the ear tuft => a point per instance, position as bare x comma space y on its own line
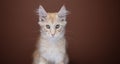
41, 12
62, 12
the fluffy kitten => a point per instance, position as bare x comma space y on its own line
51, 47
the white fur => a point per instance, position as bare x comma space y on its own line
52, 53
63, 11
41, 11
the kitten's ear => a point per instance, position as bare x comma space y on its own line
62, 12
41, 12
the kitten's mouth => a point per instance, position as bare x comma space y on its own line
53, 35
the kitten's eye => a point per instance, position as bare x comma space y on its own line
42, 20
57, 26
62, 19
48, 26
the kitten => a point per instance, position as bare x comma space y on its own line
51, 47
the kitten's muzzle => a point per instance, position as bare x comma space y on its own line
53, 35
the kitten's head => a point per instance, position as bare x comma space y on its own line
52, 24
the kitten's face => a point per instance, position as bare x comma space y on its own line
52, 24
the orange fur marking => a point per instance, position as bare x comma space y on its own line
52, 17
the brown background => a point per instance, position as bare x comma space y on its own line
92, 30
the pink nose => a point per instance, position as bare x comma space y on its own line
52, 34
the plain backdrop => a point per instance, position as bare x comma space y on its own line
92, 31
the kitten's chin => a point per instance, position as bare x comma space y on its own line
54, 37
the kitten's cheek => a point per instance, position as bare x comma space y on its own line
59, 30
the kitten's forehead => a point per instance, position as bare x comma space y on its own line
52, 17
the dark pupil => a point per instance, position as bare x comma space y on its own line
42, 19
62, 19
48, 26
57, 26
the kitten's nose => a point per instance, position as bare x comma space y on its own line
52, 34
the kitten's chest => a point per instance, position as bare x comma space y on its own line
52, 52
